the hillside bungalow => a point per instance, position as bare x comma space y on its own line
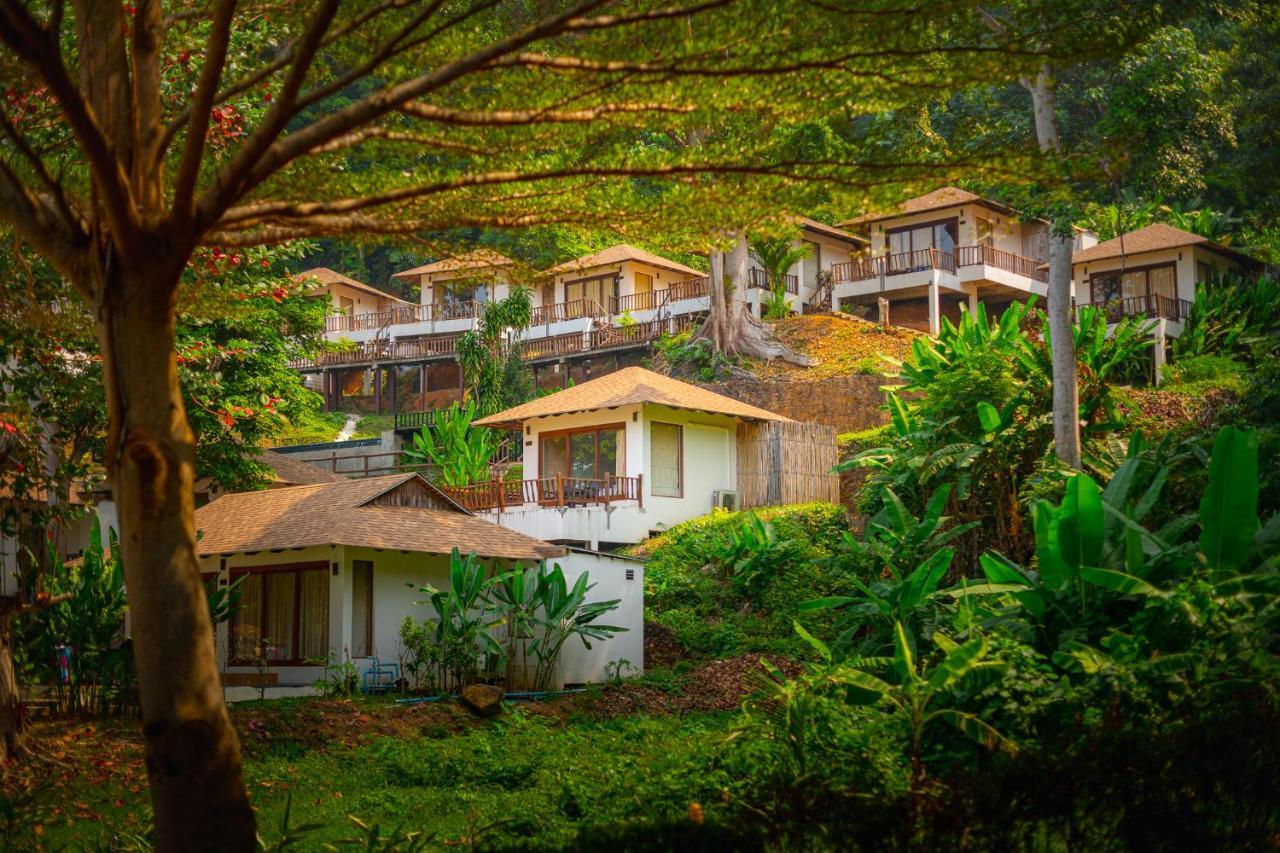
332, 569
616, 459
455, 288
621, 279
356, 305
827, 245
946, 249
1152, 273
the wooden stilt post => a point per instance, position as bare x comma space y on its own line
377, 389
394, 372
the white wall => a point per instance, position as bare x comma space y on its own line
608, 577
710, 464
397, 581
1184, 261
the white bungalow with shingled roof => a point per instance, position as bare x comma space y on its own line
333, 568
616, 459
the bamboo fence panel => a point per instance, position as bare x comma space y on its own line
785, 462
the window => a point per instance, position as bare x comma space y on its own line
985, 231
600, 291
1134, 284
937, 235
1204, 272
361, 608
589, 454
666, 460
644, 282
284, 611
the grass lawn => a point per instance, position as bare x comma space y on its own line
600, 769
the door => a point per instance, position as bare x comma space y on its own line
810, 266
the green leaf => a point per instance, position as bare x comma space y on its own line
975, 728
957, 663
828, 603
903, 659
1118, 581
820, 647
1054, 572
989, 417
1229, 508
1081, 522
863, 688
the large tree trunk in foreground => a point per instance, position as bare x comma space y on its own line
192, 752
1066, 404
730, 326
12, 724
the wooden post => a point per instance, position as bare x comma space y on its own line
333, 462
608, 483
640, 491
497, 484
394, 373
559, 489
377, 389
365, 457
882, 307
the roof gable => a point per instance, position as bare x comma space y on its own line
938, 199
621, 253
324, 276
479, 259
625, 387
1154, 238
400, 511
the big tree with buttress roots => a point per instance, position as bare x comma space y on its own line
132, 134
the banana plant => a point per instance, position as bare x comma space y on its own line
565, 614
1092, 550
890, 600
459, 453
921, 693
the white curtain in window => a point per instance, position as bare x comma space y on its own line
278, 626
313, 615
362, 609
664, 459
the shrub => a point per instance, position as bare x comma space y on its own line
1197, 373
730, 582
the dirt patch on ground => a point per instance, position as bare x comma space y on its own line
840, 344
102, 750
1159, 411
719, 685
661, 649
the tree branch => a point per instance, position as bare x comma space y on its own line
36, 48
497, 118
63, 243
201, 107
234, 181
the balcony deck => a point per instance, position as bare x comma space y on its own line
1153, 306
557, 491
445, 347
864, 269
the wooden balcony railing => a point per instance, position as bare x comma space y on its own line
1153, 305
415, 420
384, 350
759, 279
645, 301
969, 256
690, 288
558, 491
374, 320
574, 310
861, 269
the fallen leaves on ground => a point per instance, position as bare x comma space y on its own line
840, 344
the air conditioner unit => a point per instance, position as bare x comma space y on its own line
724, 499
